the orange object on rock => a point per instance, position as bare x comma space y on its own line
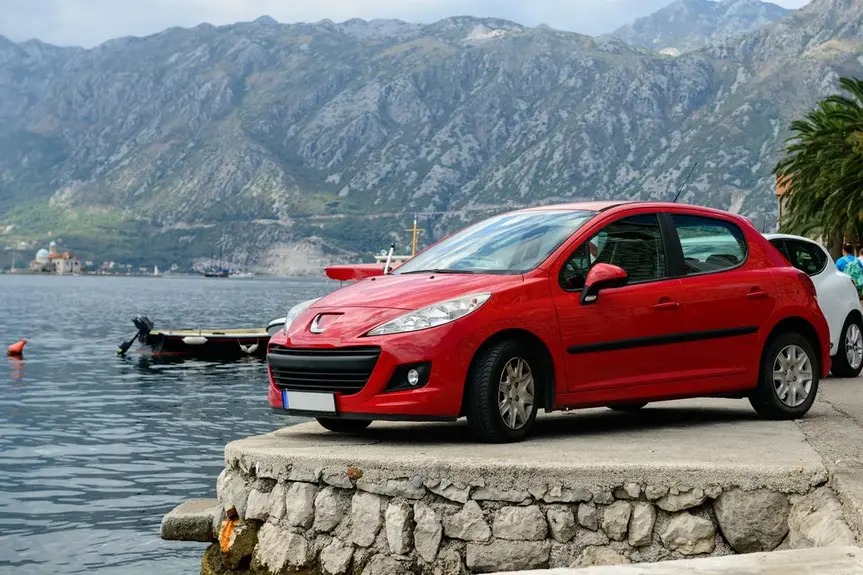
18, 348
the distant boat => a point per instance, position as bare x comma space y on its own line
217, 274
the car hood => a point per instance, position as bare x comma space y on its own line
413, 291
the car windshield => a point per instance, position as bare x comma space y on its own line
507, 244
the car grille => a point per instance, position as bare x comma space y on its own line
343, 370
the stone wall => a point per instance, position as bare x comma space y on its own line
333, 521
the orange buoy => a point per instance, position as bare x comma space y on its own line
17, 349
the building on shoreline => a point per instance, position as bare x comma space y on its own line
54, 262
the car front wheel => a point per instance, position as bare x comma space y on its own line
343, 425
502, 393
788, 380
848, 362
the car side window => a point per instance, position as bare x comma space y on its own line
633, 243
806, 257
709, 245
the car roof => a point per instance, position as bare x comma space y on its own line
791, 237
610, 205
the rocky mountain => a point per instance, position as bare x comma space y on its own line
289, 146
690, 24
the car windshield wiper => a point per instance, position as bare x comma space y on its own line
438, 271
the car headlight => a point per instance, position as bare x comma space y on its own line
295, 311
432, 316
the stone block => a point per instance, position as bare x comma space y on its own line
682, 500
191, 521
507, 556
398, 521
279, 550
300, 504
336, 558
520, 524
468, 524
641, 524
752, 521
561, 524
816, 520
366, 509
615, 519
595, 556
331, 506
689, 535
588, 517
428, 531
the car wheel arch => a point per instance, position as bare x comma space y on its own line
547, 366
799, 325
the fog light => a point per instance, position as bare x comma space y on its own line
413, 377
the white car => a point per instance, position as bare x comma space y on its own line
837, 297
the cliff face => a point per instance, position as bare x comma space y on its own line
687, 25
259, 136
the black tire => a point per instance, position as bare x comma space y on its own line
483, 384
627, 407
765, 399
344, 425
841, 365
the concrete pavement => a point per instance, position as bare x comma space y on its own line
696, 442
834, 428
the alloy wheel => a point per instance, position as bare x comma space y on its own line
792, 376
853, 346
516, 393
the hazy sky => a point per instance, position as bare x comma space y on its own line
89, 22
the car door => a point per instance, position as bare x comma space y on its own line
727, 298
625, 338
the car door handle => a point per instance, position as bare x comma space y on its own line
667, 305
757, 293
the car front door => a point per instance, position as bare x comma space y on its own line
727, 296
625, 338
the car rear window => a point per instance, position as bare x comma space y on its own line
806, 257
709, 245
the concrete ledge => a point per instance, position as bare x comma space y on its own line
196, 520
698, 443
824, 561
692, 479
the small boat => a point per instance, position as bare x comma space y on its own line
200, 343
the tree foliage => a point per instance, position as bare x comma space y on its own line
822, 168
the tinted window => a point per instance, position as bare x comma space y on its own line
806, 257
709, 245
780, 245
633, 243
511, 243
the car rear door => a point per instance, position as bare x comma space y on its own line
625, 338
728, 295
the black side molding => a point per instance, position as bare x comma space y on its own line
669, 339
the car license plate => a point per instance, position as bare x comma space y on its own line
308, 401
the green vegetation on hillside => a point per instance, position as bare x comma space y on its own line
823, 169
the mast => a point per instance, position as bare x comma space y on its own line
415, 232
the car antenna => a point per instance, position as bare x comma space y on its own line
686, 181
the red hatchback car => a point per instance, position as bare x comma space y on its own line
559, 307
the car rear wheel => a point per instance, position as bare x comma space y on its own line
343, 425
627, 407
502, 393
848, 362
788, 380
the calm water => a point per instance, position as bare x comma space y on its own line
95, 449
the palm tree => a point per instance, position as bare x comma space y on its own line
822, 169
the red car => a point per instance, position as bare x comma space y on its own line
573, 306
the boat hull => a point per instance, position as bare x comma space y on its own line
207, 345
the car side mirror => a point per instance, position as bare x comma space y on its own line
602, 277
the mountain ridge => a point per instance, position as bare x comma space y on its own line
259, 138
686, 25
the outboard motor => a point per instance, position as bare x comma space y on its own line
145, 326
